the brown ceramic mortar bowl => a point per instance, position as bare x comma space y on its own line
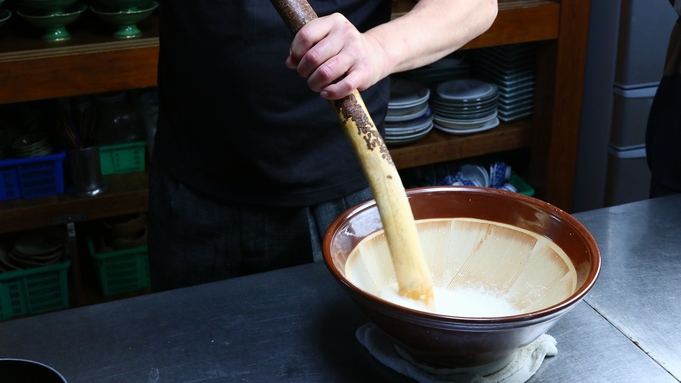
27, 371
443, 341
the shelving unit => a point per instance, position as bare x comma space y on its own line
93, 62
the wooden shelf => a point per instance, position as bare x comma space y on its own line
35, 69
127, 194
438, 146
539, 20
92, 61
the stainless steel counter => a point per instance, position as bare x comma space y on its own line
297, 325
639, 289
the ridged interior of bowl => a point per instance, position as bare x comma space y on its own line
528, 270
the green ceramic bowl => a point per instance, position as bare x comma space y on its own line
54, 24
48, 7
126, 21
5, 14
122, 5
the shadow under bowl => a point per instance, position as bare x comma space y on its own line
54, 24
126, 21
49, 7
509, 264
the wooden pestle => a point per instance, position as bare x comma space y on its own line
411, 270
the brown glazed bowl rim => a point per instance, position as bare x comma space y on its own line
479, 323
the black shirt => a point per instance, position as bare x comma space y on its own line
234, 123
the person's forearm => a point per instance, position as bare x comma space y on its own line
432, 30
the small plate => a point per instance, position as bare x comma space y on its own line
487, 126
405, 93
466, 90
407, 139
41, 241
465, 108
429, 112
466, 116
476, 172
403, 132
411, 114
463, 124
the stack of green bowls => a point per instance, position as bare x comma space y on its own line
52, 16
124, 15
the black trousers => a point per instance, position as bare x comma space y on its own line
193, 240
663, 133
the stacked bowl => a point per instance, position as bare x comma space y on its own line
512, 69
40, 247
124, 15
35, 144
52, 16
409, 117
465, 106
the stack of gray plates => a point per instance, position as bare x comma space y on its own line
465, 106
409, 116
512, 69
448, 68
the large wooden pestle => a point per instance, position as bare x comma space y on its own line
411, 270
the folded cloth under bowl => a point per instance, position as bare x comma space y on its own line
523, 366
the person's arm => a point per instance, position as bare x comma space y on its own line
329, 47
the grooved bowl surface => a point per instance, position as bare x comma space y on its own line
536, 256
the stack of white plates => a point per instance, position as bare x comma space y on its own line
409, 116
465, 106
445, 69
512, 69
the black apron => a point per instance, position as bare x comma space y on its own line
663, 134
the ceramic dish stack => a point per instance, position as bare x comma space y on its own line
447, 68
52, 16
512, 69
35, 144
409, 116
123, 232
465, 106
35, 248
124, 15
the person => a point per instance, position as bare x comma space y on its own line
663, 131
250, 165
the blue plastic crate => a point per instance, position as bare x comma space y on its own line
32, 177
9, 185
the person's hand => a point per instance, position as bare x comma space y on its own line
336, 58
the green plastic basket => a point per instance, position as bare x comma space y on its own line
123, 158
34, 291
121, 271
520, 184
